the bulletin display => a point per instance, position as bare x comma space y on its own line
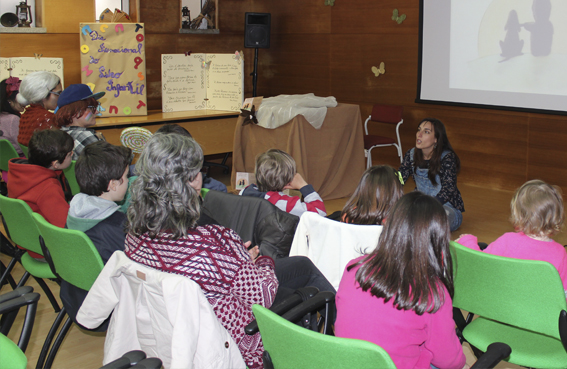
113, 60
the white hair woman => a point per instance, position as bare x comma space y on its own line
163, 234
39, 90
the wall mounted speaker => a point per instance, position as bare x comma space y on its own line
257, 30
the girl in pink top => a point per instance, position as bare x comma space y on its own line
537, 215
399, 296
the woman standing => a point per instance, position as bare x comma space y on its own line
39, 90
434, 167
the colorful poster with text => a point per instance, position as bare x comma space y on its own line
113, 60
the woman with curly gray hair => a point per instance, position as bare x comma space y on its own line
39, 92
163, 234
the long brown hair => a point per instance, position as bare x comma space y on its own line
412, 262
377, 192
442, 145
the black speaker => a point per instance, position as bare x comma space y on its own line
257, 30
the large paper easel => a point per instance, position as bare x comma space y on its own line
113, 60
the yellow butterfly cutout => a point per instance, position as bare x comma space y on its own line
398, 19
379, 71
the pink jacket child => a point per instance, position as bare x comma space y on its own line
537, 214
391, 298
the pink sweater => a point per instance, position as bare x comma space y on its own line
411, 340
519, 246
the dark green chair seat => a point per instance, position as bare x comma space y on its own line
7, 152
22, 230
519, 302
72, 258
71, 178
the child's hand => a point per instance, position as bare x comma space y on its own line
296, 183
254, 251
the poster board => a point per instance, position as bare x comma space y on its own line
113, 60
22, 66
202, 81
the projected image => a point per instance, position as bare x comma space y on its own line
509, 45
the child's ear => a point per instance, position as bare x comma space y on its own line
55, 165
111, 186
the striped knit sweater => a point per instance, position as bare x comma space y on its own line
215, 258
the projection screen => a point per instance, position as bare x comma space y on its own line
504, 54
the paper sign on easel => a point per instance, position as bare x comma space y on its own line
113, 60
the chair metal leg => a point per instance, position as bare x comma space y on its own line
6, 276
23, 280
58, 342
49, 338
48, 293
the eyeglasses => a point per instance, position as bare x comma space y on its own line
56, 93
94, 108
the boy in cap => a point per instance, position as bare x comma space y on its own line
76, 111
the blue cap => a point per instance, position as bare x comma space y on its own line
76, 92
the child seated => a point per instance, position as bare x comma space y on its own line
38, 181
276, 171
400, 296
537, 215
379, 189
102, 175
76, 111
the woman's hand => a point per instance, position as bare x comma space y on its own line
254, 251
296, 183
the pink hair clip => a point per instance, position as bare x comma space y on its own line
13, 84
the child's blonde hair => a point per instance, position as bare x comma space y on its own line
274, 170
537, 209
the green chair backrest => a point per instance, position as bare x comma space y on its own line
523, 293
7, 152
24, 149
10, 354
21, 226
294, 347
70, 175
74, 256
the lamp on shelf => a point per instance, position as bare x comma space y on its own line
185, 17
24, 13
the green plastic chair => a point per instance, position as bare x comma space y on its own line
74, 259
7, 152
71, 179
295, 347
21, 229
519, 302
12, 356
24, 149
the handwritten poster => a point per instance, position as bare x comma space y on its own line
202, 81
22, 66
113, 60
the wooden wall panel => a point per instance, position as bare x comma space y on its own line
548, 150
295, 64
63, 45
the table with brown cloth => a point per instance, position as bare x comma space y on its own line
331, 158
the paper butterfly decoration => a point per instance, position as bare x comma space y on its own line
330, 2
379, 71
249, 116
207, 65
398, 19
239, 55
